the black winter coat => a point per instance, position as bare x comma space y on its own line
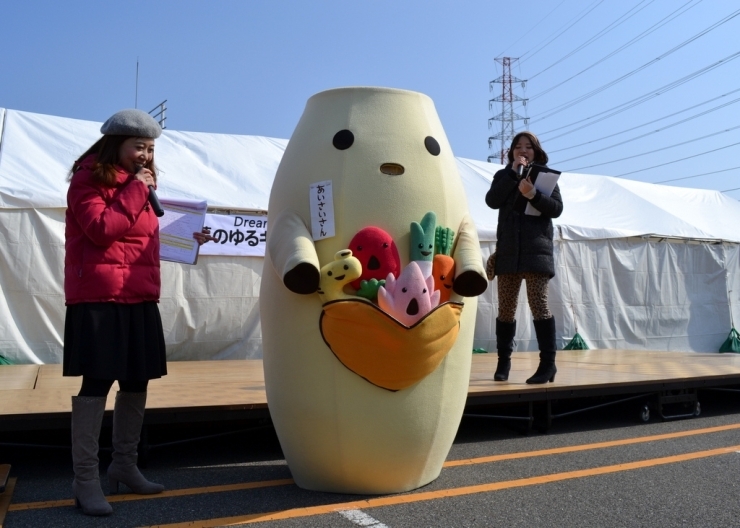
524, 241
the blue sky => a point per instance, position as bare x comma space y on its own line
247, 67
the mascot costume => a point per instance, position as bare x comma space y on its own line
368, 295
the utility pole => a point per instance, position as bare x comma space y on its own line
158, 112
507, 115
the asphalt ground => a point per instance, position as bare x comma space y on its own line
604, 467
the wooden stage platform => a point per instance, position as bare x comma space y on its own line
38, 396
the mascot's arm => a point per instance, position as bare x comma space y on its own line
293, 254
470, 277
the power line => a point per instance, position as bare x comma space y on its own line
697, 175
600, 89
642, 125
582, 98
541, 47
676, 161
700, 114
636, 39
531, 29
652, 151
616, 23
728, 190
644, 98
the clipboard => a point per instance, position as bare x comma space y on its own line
544, 180
181, 219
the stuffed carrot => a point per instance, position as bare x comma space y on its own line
443, 265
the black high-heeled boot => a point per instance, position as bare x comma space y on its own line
545, 330
504, 346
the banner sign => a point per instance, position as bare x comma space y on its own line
236, 235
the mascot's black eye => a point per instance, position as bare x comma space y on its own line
431, 144
424, 290
404, 290
359, 248
344, 139
421, 246
441, 277
385, 245
346, 267
329, 273
430, 246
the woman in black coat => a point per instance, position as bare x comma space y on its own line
524, 251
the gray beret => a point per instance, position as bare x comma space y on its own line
131, 122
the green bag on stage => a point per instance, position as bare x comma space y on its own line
732, 343
577, 343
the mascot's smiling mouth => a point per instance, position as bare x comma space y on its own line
340, 277
392, 169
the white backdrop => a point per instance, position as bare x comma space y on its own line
631, 294
620, 293
209, 310
626, 284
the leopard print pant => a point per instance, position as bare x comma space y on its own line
509, 285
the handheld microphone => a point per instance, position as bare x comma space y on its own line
153, 200
520, 170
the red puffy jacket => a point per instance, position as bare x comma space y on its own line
111, 240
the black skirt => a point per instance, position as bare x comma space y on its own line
114, 341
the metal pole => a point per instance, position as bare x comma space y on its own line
136, 96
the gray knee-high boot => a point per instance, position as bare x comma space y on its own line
545, 330
128, 417
504, 346
87, 417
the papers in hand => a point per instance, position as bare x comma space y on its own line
544, 180
181, 219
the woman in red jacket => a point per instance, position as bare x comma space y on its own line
113, 330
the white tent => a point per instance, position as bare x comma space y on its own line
639, 266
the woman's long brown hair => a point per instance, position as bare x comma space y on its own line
106, 151
540, 156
